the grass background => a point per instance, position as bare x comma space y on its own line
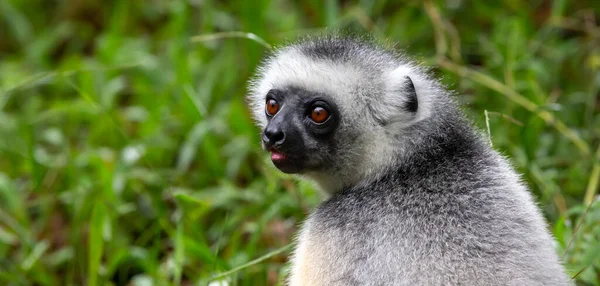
128, 156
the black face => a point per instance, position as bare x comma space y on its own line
300, 128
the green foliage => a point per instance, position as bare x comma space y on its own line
128, 156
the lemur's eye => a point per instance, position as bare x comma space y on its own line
272, 107
319, 114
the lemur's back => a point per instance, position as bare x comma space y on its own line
456, 215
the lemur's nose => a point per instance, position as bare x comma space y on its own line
273, 135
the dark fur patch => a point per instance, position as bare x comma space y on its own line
412, 102
340, 48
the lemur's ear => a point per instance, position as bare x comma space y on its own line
412, 102
399, 104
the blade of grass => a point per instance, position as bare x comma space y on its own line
14, 224
191, 94
179, 252
218, 246
577, 229
233, 34
579, 272
487, 125
253, 262
441, 45
6, 237
507, 117
49, 75
592, 187
35, 255
95, 243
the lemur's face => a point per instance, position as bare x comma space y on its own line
300, 129
331, 108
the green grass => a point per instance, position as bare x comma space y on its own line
127, 153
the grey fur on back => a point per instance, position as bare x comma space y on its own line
415, 199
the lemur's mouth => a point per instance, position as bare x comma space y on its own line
277, 156
287, 163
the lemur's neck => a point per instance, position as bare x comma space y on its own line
416, 154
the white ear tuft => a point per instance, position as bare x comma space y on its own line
399, 102
406, 98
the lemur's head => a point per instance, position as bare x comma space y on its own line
335, 109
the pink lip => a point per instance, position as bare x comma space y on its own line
276, 156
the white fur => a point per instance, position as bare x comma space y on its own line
425, 91
291, 68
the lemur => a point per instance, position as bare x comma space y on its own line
415, 195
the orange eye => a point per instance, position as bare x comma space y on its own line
319, 114
272, 107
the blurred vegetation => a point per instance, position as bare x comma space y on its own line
128, 156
